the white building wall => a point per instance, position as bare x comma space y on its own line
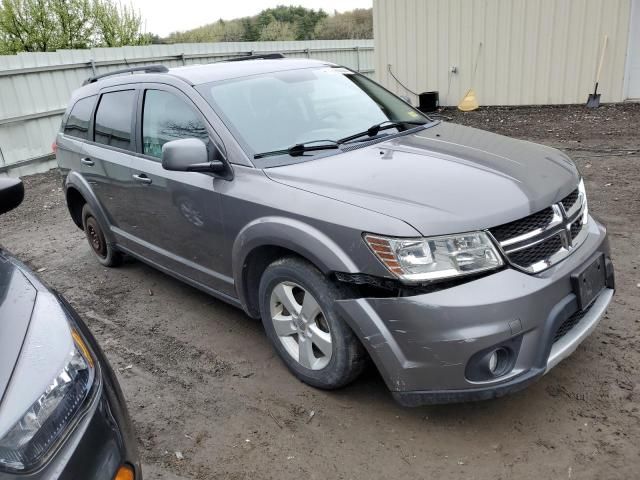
533, 51
633, 56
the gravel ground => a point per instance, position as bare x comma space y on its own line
210, 400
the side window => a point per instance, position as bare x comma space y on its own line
167, 117
78, 121
113, 119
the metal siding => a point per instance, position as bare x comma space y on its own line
47, 90
633, 59
534, 51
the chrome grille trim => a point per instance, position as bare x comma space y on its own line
526, 227
543, 247
521, 241
575, 207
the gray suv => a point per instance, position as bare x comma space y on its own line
464, 264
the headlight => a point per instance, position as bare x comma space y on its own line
435, 258
55, 411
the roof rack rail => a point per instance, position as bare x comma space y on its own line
258, 56
145, 69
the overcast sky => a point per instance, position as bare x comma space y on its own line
164, 17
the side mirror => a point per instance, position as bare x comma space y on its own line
191, 155
11, 194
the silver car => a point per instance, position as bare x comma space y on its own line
62, 413
464, 264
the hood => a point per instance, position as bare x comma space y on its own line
17, 298
444, 179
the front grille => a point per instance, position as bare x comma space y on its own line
576, 227
566, 326
523, 226
570, 200
537, 253
542, 239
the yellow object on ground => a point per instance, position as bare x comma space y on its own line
469, 102
125, 472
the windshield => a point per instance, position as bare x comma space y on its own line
277, 110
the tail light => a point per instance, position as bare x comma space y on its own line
54, 148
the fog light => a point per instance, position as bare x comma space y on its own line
498, 362
493, 362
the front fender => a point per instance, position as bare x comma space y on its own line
294, 235
76, 181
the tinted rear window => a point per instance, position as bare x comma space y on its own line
78, 121
113, 119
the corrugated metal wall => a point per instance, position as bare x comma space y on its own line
533, 51
35, 87
633, 55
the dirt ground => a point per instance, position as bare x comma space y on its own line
210, 400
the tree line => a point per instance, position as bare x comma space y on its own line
49, 25
282, 23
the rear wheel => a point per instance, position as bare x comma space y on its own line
102, 250
298, 314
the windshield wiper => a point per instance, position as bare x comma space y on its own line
373, 130
300, 148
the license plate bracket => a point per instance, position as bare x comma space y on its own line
588, 283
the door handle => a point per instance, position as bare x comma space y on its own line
87, 161
142, 178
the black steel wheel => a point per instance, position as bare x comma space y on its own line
106, 254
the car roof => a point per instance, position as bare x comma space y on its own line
212, 72
199, 74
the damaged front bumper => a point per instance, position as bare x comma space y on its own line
429, 347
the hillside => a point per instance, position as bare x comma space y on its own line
282, 23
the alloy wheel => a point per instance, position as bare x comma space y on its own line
301, 325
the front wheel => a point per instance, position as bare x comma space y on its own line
297, 309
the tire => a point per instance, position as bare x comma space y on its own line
301, 339
106, 254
